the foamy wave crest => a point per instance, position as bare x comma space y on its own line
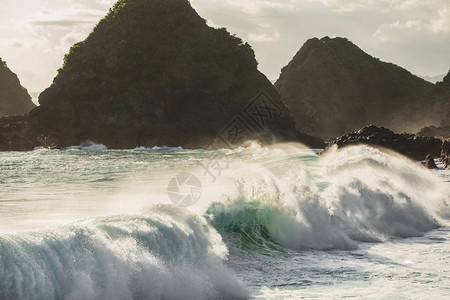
88, 146
157, 148
165, 253
357, 194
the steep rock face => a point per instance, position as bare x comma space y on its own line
440, 99
445, 154
153, 73
440, 132
429, 162
410, 145
14, 99
332, 87
439, 102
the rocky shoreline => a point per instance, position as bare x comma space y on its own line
15, 135
410, 145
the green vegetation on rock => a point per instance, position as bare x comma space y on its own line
153, 73
14, 99
332, 87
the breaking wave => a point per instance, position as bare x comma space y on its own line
165, 253
293, 199
88, 146
354, 195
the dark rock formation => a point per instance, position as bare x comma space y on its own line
439, 132
12, 132
439, 100
429, 162
410, 145
333, 87
445, 154
14, 99
153, 73
310, 140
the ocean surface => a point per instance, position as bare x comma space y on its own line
262, 223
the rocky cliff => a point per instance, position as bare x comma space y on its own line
331, 87
14, 99
439, 103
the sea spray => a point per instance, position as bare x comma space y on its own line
269, 200
165, 253
357, 194
88, 146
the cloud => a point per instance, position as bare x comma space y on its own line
352, 5
263, 37
66, 18
429, 17
71, 38
16, 44
93, 4
258, 6
442, 23
212, 24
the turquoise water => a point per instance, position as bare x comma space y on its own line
91, 223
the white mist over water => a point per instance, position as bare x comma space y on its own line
99, 224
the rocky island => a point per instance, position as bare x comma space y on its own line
333, 87
152, 72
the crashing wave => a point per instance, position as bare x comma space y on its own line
165, 253
157, 148
88, 146
353, 195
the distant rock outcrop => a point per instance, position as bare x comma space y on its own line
332, 87
153, 73
429, 162
439, 132
445, 154
14, 99
439, 100
410, 145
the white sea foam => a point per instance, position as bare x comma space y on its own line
268, 199
353, 195
164, 253
88, 146
157, 148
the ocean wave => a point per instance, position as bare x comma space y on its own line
357, 194
88, 146
165, 253
283, 199
157, 148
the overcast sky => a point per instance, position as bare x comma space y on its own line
415, 34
